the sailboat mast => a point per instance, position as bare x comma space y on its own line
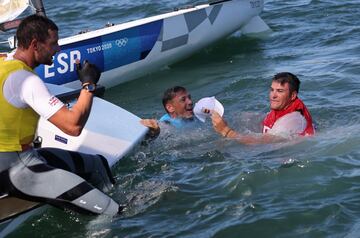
8, 25
39, 6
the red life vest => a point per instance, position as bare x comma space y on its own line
296, 105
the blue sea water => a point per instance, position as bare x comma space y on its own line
196, 184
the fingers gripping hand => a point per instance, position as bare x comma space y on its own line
88, 73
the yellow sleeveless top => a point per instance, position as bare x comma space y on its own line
17, 125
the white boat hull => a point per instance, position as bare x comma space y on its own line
130, 50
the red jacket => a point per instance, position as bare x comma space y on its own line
296, 105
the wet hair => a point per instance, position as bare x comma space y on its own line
34, 27
170, 93
291, 79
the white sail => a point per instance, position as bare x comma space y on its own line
10, 9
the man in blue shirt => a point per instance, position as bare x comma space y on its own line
179, 110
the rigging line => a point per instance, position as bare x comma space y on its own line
32, 7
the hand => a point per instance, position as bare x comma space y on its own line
153, 126
88, 73
219, 124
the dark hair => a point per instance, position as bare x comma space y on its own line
170, 93
291, 79
34, 27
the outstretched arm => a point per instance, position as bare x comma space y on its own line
221, 127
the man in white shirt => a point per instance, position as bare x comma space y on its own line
53, 176
288, 115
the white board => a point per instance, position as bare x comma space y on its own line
110, 131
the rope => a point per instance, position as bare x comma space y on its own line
32, 7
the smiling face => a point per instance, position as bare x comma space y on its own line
280, 96
180, 106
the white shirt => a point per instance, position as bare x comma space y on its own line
289, 125
24, 89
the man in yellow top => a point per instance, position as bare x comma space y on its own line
48, 175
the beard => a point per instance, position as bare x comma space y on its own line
44, 56
46, 59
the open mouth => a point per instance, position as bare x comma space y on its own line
189, 112
189, 108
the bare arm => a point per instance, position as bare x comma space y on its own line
72, 121
221, 127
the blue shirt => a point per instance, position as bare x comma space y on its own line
178, 123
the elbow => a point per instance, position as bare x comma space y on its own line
68, 122
74, 131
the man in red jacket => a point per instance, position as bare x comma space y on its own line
288, 115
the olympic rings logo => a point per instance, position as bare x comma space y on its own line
121, 42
